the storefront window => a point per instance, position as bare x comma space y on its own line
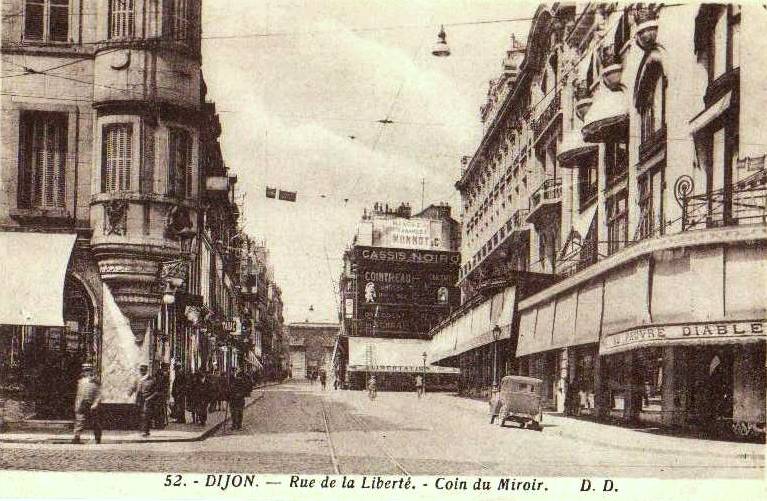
650, 376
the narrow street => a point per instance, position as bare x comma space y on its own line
297, 427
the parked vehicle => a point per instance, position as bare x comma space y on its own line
518, 399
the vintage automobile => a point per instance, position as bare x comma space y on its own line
518, 399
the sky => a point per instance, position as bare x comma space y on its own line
300, 85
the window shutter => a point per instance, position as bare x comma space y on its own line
34, 19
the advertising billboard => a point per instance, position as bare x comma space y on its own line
404, 293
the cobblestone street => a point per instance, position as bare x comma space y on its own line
298, 428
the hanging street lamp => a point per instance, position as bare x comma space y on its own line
440, 48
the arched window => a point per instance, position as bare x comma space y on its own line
652, 102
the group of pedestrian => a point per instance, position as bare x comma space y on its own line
197, 393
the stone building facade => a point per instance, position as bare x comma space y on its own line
624, 164
118, 225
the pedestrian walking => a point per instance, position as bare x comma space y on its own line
179, 393
145, 390
87, 402
239, 388
419, 385
205, 394
323, 379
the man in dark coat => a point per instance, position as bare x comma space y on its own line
146, 397
239, 388
179, 392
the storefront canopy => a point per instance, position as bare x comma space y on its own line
34, 269
475, 327
389, 355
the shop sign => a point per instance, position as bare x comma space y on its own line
682, 334
349, 309
410, 233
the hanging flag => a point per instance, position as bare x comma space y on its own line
288, 196
271, 192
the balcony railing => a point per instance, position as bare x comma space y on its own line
548, 192
540, 124
745, 202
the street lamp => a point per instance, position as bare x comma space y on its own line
424, 371
496, 336
440, 48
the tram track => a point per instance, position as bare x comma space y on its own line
378, 444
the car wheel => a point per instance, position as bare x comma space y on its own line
501, 415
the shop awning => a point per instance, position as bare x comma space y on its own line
564, 320
711, 113
498, 310
573, 147
526, 342
390, 355
35, 267
609, 110
589, 314
626, 298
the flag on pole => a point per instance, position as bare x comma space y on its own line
288, 196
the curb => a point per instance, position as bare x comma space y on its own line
197, 438
658, 450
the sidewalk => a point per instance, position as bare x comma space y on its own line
174, 432
619, 437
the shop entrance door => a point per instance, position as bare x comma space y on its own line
53, 356
713, 387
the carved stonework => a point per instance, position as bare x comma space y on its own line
115, 217
178, 219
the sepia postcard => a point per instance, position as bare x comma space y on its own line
392, 249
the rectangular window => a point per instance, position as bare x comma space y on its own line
180, 163
181, 24
42, 162
587, 179
646, 212
46, 20
616, 160
617, 221
121, 19
117, 157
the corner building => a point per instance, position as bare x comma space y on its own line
101, 124
624, 158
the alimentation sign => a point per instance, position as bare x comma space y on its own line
404, 292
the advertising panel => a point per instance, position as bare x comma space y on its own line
404, 293
410, 234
